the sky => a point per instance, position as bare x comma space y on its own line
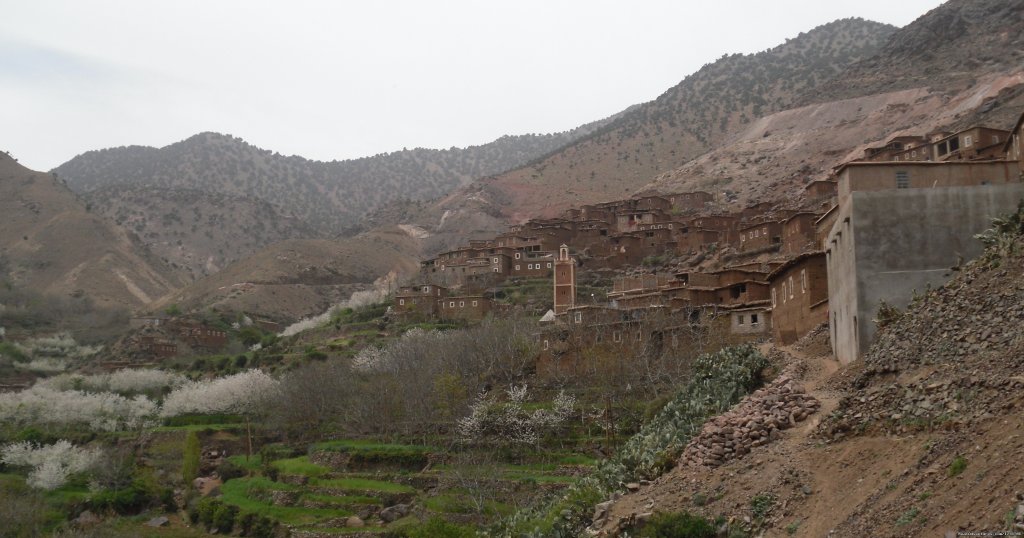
344, 79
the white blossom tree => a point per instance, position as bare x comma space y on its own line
51, 464
509, 422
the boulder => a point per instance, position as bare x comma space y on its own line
393, 513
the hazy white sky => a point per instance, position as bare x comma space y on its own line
341, 79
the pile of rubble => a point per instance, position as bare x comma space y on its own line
755, 421
953, 357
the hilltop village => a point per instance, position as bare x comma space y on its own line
688, 266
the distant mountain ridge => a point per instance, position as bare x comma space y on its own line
682, 123
961, 64
944, 49
329, 196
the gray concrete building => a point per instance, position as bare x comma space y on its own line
885, 244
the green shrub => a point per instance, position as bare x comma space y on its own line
681, 525
130, 500
228, 470
762, 504
215, 515
958, 466
190, 459
437, 527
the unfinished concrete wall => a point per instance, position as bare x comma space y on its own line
886, 244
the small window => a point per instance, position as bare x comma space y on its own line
577, 317
773, 297
549, 265
474, 303
902, 180
790, 287
740, 319
616, 336
462, 304
968, 140
995, 139
518, 255
401, 301
451, 304
803, 281
546, 345
753, 319
495, 260
517, 268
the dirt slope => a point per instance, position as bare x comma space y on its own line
50, 243
293, 279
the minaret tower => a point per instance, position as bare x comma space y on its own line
565, 281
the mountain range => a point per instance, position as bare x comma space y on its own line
757, 127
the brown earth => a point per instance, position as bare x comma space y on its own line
294, 279
51, 243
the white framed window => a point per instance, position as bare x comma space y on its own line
790, 287
546, 345
803, 281
753, 320
401, 301
577, 317
451, 304
518, 254
995, 139
549, 265
426, 289
474, 303
462, 304
497, 269
773, 297
968, 140
495, 260
517, 267
616, 336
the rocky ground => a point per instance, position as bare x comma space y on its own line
922, 438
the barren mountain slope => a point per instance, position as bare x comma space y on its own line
956, 66
292, 279
197, 231
51, 244
331, 196
775, 156
944, 49
682, 123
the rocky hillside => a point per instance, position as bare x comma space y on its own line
297, 278
50, 243
198, 231
908, 87
684, 122
948, 48
330, 196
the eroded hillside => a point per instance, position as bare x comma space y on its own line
50, 243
